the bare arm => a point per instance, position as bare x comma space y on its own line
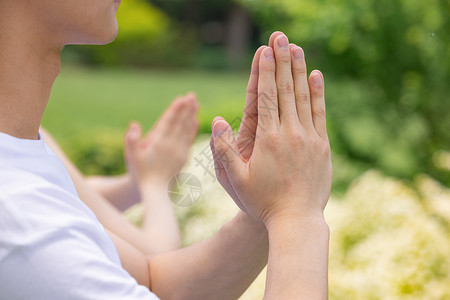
221, 267
121, 191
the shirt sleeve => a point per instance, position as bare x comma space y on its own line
65, 264
52, 248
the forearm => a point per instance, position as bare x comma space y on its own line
120, 191
298, 258
159, 217
221, 267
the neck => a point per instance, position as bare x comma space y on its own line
29, 64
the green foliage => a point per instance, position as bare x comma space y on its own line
390, 62
99, 152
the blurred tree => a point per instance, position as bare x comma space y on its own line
391, 65
222, 26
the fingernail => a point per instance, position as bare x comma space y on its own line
283, 42
133, 127
298, 53
219, 128
317, 80
133, 134
268, 53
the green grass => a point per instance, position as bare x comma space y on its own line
87, 99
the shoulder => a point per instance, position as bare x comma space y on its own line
31, 199
33, 209
52, 248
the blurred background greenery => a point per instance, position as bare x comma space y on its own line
386, 64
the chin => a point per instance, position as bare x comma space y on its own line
109, 38
99, 37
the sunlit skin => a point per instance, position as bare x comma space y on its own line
282, 185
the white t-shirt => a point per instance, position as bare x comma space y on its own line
51, 244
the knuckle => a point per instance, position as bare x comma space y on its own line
222, 148
297, 137
321, 147
272, 139
286, 88
269, 93
252, 91
299, 69
267, 67
303, 98
284, 59
254, 71
319, 112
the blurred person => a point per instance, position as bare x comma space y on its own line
53, 247
152, 161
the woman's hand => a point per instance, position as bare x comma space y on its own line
160, 155
289, 169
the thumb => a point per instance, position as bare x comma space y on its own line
132, 138
226, 149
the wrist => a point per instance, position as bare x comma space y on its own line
313, 220
247, 229
152, 188
143, 183
298, 257
245, 220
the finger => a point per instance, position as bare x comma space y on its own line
318, 111
268, 117
218, 167
132, 138
166, 122
166, 126
247, 130
302, 94
187, 118
222, 176
285, 81
273, 37
189, 133
226, 150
